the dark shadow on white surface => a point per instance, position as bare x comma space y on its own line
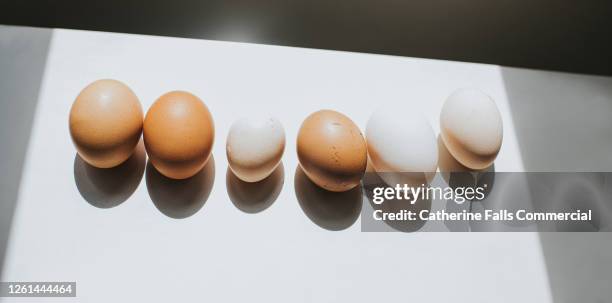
23, 55
372, 180
180, 199
486, 179
449, 167
580, 193
563, 122
457, 175
254, 197
511, 192
109, 187
330, 210
457, 225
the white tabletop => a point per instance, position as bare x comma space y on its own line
134, 252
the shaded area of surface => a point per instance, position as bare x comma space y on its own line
110, 187
563, 122
23, 54
578, 265
255, 197
547, 34
333, 211
180, 199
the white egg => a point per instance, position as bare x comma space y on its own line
401, 141
255, 146
471, 127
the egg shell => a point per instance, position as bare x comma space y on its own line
178, 134
401, 141
332, 151
401, 146
106, 123
471, 127
254, 147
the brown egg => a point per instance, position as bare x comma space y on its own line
178, 134
105, 123
332, 150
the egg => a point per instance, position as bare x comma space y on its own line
471, 127
332, 151
254, 147
178, 134
105, 123
401, 145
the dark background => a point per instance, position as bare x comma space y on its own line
574, 36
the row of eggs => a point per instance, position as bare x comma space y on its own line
106, 123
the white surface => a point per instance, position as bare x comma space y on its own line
134, 253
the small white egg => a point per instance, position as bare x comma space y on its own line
255, 146
401, 141
471, 127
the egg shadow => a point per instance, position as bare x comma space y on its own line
579, 193
373, 180
454, 173
109, 187
180, 199
329, 210
254, 197
457, 175
486, 179
454, 207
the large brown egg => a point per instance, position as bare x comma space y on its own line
332, 150
178, 134
105, 123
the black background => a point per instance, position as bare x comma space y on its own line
573, 36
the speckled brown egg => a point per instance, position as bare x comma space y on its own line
332, 151
105, 123
178, 134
